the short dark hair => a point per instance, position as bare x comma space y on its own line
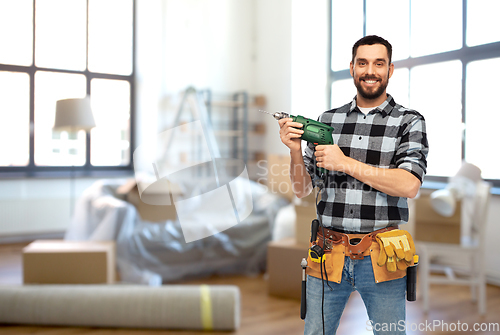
371, 40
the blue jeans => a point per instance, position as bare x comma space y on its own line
385, 302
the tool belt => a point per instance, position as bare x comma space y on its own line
356, 246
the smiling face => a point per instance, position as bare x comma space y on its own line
371, 72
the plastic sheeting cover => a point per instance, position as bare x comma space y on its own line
152, 253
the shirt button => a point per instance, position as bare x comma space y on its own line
360, 137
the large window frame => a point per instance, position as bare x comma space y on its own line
33, 170
465, 54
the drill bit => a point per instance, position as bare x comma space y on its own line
263, 111
277, 115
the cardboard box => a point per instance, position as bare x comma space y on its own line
305, 210
69, 262
278, 181
260, 100
283, 268
278, 176
433, 227
156, 196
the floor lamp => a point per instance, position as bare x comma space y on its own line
73, 115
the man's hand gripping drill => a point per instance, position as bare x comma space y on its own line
293, 129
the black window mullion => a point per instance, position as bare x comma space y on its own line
330, 48
87, 45
32, 70
132, 88
31, 163
364, 17
464, 76
88, 139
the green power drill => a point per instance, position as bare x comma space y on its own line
315, 132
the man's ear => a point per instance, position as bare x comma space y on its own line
391, 70
351, 69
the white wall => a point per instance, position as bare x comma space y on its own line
228, 46
208, 44
223, 45
273, 71
310, 64
198, 43
37, 206
292, 61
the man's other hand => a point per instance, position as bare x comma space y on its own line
330, 157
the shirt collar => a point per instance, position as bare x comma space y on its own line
384, 109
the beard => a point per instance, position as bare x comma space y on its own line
371, 94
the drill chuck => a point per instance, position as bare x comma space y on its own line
280, 115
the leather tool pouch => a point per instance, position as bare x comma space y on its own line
334, 264
380, 272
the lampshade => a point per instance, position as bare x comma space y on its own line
444, 202
463, 183
74, 115
468, 173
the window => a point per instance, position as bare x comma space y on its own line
58, 49
480, 131
439, 99
445, 66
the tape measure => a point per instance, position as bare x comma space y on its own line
316, 254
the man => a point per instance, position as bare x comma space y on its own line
377, 162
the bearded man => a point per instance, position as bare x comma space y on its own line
377, 162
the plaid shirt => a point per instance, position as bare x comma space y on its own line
390, 136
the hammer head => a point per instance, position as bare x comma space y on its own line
303, 263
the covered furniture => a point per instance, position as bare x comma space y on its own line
156, 252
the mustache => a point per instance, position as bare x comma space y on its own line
370, 78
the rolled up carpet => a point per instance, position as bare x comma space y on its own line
126, 306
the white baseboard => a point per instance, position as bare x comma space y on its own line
10, 239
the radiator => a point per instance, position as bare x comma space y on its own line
37, 206
33, 215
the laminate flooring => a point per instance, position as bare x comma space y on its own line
262, 314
